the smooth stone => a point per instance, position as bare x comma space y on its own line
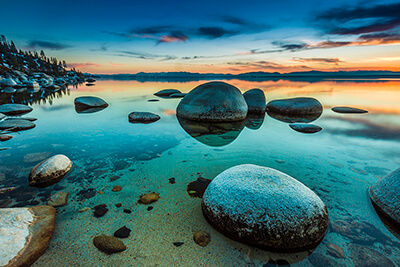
108, 244
265, 208
116, 188
201, 238
178, 244
122, 232
143, 117
5, 137
367, 257
214, 102
58, 199
305, 127
167, 92
385, 196
50, 171
149, 198
25, 234
127, 211
16, 125
143, 156
348, 110
100, 210
83, 103
295, 106
335, 250
255, 99
14, 109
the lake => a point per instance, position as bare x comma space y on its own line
338, 163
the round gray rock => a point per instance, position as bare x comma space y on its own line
50, 171
143, 117
86, 102
167, 92
14, 109
295, 106
213, 101
348, 110
255, 100
305, 127
16, 125
386, 195
266, 208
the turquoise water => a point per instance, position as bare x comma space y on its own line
339, 164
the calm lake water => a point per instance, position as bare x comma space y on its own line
339, 163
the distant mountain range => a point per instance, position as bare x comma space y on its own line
253, 76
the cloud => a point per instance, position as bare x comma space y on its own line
34, 44
83, 65
153, 29
214, 32
175, 36
263, 65
335, 61
147, 56
116, 64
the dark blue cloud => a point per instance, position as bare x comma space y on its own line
215, 32
35, 44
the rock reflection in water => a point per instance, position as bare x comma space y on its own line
294, 118
212, 133
27, 98
254, 121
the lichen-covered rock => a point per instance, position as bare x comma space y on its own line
349, 110
255, 100
266, 208
305, 127
108, 244
213, 101
167, 92
385, 195
143, 117
295, 106
84, 103
25, 234
16, 125
14, 109
50, 171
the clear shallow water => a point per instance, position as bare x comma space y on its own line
339, 164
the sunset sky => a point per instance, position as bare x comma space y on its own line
209, 36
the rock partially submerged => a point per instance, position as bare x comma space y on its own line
108, 244
16, 125
50, 171
305, 127
85, 103
143, 117
25, 234
167, 92
348, 110
5, 137
255, 100
214, 102
14, 109
295, 106
266, 208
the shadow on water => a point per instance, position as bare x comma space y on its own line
254, 121
294, 118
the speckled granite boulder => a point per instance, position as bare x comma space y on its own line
142, 117
214, 102
14, 109
295, 106
255, 100
265, 208
25, 234
50, 171
385, 195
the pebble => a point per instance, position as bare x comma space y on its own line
178, 244
171, 180
149, 208
109, 244
122, 232
116, 188
201, 238
127, 211
113, 178
149, 198
100, 210
198, 187
335, 250
118, 205
84, 209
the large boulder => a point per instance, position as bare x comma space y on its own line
213, 101
50, 171
385, 195
295, 106
16, 125
84, 103
255, 100
14, 109
265, 208
25, 234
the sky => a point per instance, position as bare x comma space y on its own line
108, 37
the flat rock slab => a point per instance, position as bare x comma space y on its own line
143, 117
167, 92
25, 234
305, 127
16, 125
265, 208
295, 106
348, 110
14, 109
83, 103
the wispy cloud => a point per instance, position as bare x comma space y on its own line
175, 36
116, 64
143, 55
335, 61
263, 66
35, 44
83, 65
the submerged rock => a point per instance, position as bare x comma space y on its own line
116, 188
255, 100
108, 244
254, 121
295, 106
385, 196
367, 257
347, 110
16, 125
100, 210
202, 238
293, 118
305, 127
84, 103
14, 109
5, 137
167, 92
266, 208
58, 199
50, 171
122, 232
335, 250
198, 187
213, 101
143, 117
25, 234
149, 198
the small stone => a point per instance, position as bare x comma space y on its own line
201, 238
348, 110
100, 210
280, 161
116, 188
118, 205
171, 180
143, 117
127, 211
58, 199
109, 244
113, 178
198, 187
84, 209
149, 208
5, 137
167, 92
149, 198
122, 232
50, 171
178, 244
335, 250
